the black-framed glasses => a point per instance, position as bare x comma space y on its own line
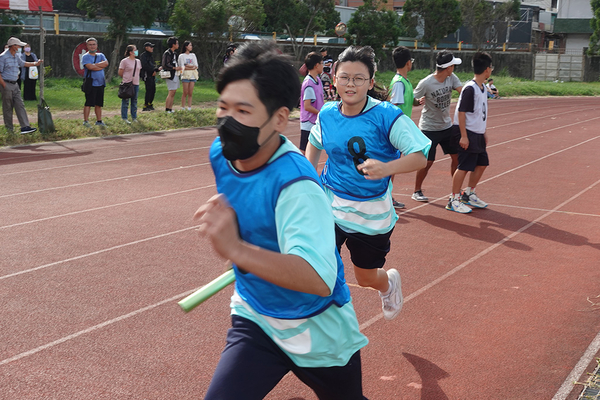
357, 80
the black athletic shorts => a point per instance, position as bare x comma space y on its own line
445, 139
475, 155
304, 139
366, 251
95, 98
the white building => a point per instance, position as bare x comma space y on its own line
573, 23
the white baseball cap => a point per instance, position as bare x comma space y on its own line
13, 40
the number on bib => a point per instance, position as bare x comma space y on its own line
358, 151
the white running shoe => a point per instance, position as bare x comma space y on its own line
391, 304
419, 196
456, 205
472, 200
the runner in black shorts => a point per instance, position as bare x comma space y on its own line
435, 93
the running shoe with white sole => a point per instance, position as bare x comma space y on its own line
391, 304
397, 204
419, 196
472, 200
457, 206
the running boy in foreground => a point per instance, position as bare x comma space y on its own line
471, 117
291, 309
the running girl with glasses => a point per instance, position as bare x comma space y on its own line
362, 137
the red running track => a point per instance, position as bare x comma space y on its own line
98, 245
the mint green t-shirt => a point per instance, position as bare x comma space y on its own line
305, 228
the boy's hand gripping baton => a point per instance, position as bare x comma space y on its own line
207, 291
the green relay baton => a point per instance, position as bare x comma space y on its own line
207, 291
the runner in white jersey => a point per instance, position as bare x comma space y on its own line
470, 120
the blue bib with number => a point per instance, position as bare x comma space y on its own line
351, 140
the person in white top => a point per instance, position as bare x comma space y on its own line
187, 60
129, 70
471, 117
492, 90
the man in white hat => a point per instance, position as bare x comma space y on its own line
10, 68
435, 92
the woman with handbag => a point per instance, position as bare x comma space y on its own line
189, 75
29, 75
129, 70
169, 64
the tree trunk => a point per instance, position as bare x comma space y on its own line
114, 59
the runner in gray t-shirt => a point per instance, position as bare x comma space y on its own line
435, 91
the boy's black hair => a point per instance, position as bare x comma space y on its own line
171, 41
312, 59
481, 62
365, 55
322, 49
401, 55
443, 57
269, 71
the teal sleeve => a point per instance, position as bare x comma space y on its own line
305, 228
315, 134
408, 138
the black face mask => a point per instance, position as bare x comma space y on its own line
239, 141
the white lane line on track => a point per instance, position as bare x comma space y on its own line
567, 387
481, 254
362, 326
104, 161
105, 207
120, 246
106, 180
543, 117
93, 328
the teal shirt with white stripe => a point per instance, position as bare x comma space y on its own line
375, 216
305, 228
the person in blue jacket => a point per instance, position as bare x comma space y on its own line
362, 137
291, 307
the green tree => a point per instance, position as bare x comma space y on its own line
300, 18
480, 15
123, 15
212, 23
439, 18
372, 25
595, 24
9, 18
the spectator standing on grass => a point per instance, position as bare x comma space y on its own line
95, 62
435, 92
148, 75
362, 137
169, 63
29, 84
291, 308
129, 69
10, 69
189, 76
312, 97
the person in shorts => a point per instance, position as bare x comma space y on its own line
363, 136
291, 309
312, 97
435, 92
470, 120
95, 62
169, 63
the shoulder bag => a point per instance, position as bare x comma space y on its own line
33, 72
86, 86
126, 89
